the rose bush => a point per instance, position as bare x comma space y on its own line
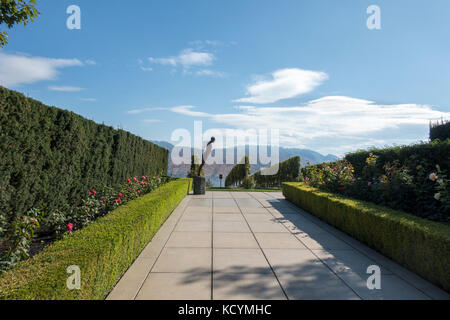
407, 186
19, 233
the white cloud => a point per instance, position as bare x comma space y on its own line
65, 88
142, 110
187, 58
333, 124
89, 99
285, 84
90, 62
188, 111
16, 70
146, 69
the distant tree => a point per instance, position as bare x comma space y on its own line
14, 12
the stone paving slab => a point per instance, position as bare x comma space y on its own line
256, 245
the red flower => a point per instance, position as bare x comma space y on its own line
143, 177
129, 180
94, 192
135, 180
120, 195
139, 191
90, 194
70, 227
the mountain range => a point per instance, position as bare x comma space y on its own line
212, 171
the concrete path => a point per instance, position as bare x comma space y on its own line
251, 245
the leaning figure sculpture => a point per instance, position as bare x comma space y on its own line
206, 154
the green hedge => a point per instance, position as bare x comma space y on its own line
238, 173
288, 170
440, 130
103, 250
420, 245
50, 158
425, 154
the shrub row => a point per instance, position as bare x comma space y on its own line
104, 250
50, 158
429, 154
417, 187
440, 130
288, 170
420, 245
239, 172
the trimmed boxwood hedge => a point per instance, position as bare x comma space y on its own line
50, 158
288, 170
420, 245
103, 250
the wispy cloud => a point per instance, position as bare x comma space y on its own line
17, 69
284, 84
208, 73
89, 99
65, 88
188, 111
190, 61
187, 58
339, 123
142, 110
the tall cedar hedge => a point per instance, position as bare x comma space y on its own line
238, 173
426, 154
440, 130
50, 158
288, 171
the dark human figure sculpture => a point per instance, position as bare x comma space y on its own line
206, 154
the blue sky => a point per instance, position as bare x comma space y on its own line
310, 68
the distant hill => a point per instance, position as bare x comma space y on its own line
212, 172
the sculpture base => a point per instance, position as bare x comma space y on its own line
199, 185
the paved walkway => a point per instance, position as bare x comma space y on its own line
250, 245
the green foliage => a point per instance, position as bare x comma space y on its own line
436, 152
440, 130
51, 158
238, 173
248, 182
14, 12
330, 176
19, 237
103, 250
399, 185
420, 245
274, 176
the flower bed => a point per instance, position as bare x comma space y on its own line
415, 185
21, 232
103, 250
418, 244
